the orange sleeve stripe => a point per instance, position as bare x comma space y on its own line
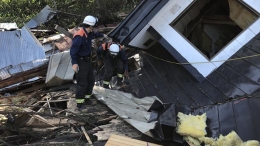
104, 46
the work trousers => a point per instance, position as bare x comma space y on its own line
85, 78
110, 65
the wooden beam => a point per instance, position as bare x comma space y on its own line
33, 88
116, 140
59, 100
32, 119
63, 31
40, 71
38, 117
86, 135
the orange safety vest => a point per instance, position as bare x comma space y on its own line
81, 32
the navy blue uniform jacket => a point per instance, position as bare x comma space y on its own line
121, 55
82, 44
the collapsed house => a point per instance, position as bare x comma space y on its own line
22, 55
192, 56
200, 56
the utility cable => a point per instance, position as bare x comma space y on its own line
238, 58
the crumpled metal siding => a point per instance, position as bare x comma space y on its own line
44, 16
4, 73
9, 71
19, 46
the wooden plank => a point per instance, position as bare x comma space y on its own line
64, 31
23, 76
59, 100
32, 118
116, 140
33, 88
86, 135
37, 116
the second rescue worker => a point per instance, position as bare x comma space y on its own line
81, 60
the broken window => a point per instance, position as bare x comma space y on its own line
211, 24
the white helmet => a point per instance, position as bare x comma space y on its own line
114, 49
90, 20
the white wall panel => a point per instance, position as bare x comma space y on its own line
255, 4
255, 27
141, 38
181, 45
161, 23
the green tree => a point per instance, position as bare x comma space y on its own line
70, 12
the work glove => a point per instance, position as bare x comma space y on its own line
75, 68
126, 73
105, 36
100, 62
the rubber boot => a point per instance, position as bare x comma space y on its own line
106, 86
119, 82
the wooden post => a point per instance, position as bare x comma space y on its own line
86, 135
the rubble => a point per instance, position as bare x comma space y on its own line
37, 101
48, 113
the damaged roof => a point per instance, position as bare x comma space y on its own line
44, 16
21, 51
19, 46
174, 71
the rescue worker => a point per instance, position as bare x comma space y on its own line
114, 57
81, 60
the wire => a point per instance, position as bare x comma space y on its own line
238, 58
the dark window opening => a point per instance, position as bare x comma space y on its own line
148, 42
211, 24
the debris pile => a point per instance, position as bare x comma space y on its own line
48, 116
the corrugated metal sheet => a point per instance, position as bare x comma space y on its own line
59, 69
16, 69
44, 16
50, 53
9, 71
4, 73
8, 26
18, 47
47, 47
33, 64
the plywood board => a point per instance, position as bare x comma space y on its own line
116, 140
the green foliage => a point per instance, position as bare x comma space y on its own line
70, 12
